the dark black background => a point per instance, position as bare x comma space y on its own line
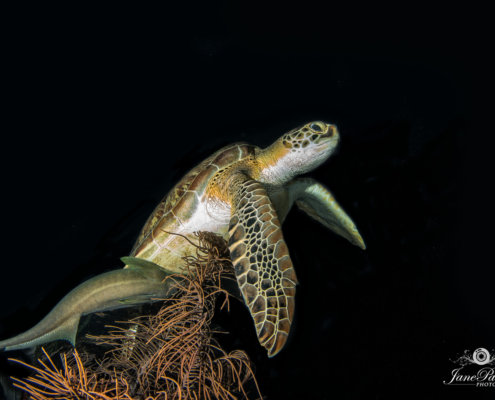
103, 110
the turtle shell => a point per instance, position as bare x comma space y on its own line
182, 199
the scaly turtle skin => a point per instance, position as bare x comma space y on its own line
244, 193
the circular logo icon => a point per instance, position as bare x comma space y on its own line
481, 356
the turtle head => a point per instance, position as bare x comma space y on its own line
298, 151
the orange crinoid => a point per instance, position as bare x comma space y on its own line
170, 355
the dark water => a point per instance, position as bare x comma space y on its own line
103, 114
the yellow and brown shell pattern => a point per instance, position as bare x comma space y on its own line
180, 213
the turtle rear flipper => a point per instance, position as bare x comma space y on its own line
318, 202
262, 263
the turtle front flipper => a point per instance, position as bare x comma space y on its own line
318, 202
261, 261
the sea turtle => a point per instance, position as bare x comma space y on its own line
244, 193
241, 192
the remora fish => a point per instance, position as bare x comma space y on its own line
140, 282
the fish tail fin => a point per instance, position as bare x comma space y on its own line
40, 333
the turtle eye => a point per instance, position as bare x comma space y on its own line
315, 127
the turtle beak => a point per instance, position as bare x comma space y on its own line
331, 131
330, 136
